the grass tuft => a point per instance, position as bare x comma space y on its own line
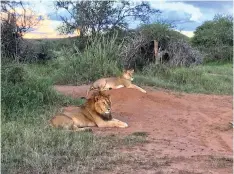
208, 79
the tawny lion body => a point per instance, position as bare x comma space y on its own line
95, 112
115, 82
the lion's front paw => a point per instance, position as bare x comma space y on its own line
120, 124
123, 125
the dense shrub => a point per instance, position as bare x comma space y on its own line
174, 47
10, 40
215, 38
181, 53
37, 51
23, 93
99, 58
161, 32
27, 51
58, 44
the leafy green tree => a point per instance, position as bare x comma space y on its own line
215, 37
96, 16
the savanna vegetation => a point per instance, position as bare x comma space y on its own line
215, 38
30, 68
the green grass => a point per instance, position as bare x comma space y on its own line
23, 93
28, 101
140, 134
212, 78
100, 58
30, 145
37, 148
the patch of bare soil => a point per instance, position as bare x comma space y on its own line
187, 133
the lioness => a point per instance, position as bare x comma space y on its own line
115, 82
96, 111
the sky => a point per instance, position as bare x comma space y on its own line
185, 15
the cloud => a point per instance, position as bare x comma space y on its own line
179, 9
210, 8
217, 6
187, 15
187, 33
43, 7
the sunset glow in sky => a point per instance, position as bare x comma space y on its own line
187, 15
47, 29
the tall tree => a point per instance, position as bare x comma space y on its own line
96, 16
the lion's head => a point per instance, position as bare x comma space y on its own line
128, 74
101, 104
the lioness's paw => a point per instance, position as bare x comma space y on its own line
143, 91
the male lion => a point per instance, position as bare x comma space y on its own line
115, 82
96, 111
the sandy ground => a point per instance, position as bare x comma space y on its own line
187, 133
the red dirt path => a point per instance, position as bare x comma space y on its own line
188, 133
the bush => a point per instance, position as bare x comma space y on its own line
181, 53
99, 58
58, 44
23, 93
36, 51
10, 40
160, 32
175, 49
215, 38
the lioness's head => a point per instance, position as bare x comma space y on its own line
102, 104
128, 74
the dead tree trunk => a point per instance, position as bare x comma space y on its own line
156, 57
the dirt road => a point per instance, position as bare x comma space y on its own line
187, 133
